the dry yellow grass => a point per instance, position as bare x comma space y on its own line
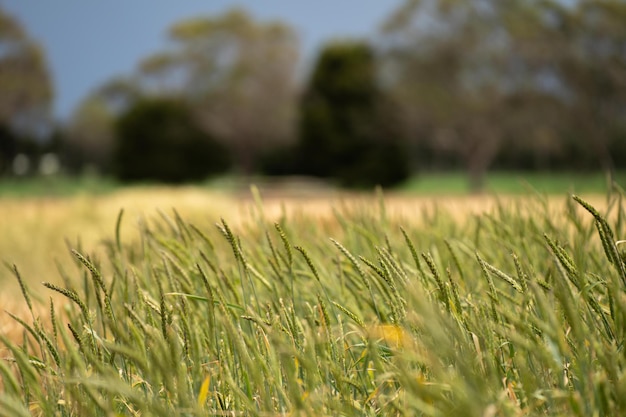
33, 231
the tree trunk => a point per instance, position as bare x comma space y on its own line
484, 143
476, 174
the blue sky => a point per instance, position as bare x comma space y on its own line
88, 42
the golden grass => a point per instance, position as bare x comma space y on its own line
34, 231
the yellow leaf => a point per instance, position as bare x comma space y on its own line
204, 391
373, 394
391, 334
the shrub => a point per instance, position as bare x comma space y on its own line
158, 140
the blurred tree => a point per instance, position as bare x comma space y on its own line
593, 68
158, 140
484, 78
534, 124
25, 85
446, 71
342, 131
238, 75
88, 138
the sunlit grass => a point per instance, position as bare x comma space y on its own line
446, 183
426, 183
55, 186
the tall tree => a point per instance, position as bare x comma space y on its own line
446, 71
238, 74
25, 87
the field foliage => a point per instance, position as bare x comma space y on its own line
520, 311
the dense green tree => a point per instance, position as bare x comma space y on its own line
158, 140
342, 132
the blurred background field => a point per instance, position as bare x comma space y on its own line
427, 184
519, 183
40, 227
